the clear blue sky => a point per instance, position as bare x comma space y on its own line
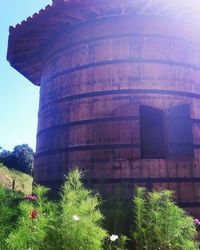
19, 98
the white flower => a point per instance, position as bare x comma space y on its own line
113, 237
76, 217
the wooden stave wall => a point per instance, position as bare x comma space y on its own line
61, 106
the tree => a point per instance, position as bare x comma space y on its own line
21, 158
6, 158
24, 157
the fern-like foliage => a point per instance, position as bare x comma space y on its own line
160, 223
80, 220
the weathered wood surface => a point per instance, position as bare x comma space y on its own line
98, 62
94, 80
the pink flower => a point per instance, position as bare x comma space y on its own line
34, 214
31, 197
197, 222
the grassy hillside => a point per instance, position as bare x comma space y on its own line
23, 182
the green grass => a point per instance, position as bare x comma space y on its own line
23, 182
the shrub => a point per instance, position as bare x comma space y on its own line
80, 220
73, 224
75, 221
160, 224
9, 213
32, 227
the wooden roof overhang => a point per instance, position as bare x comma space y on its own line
27, 40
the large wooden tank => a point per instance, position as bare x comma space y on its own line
119, 93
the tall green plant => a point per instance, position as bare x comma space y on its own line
34, 222
80, 218
9, 213
160, 224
